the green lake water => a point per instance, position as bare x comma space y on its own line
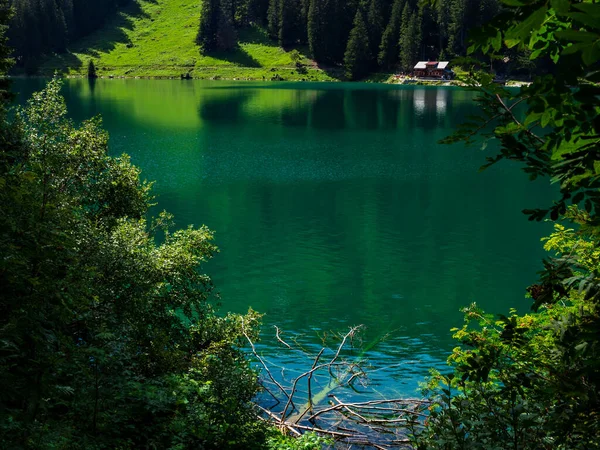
333, 206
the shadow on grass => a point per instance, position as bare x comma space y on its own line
61, 64
259, 35
336, 72
254, 34
237, 56
100, 41
113, 32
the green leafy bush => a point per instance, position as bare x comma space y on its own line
531, 381
107, 335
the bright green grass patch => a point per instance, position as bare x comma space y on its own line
157, 39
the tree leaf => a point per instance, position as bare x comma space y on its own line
590, 9
523, 29
560, 6
591, 53
577, 36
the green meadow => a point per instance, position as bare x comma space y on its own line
157, 39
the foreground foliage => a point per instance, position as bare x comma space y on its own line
533, 380
107, 338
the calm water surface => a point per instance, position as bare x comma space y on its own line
333, 206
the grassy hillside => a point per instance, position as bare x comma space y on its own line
157, 38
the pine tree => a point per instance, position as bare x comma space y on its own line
456, 27
377, 22
344, 13
273, 18
410, 38
316, 25
388, 49
442, 20
226, 33
304, 12
290, 22
428, 31
257, 11
357, 58
209, 25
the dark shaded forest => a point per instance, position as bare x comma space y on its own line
43, 27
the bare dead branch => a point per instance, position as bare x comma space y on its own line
379, 424
255, 353
278, 336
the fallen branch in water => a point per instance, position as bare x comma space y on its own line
379, 423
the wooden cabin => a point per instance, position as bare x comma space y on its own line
432, 69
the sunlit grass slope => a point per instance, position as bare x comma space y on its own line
157, 38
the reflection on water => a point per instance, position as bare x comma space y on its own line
333, 206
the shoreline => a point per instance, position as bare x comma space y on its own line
377, 78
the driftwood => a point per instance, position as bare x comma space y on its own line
378, 423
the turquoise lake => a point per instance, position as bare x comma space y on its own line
333, 206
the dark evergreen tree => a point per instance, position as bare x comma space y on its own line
344, 13
329, 23
257, 11
442, 17
357, 59
230, 9
291, 30
456, 27
429, 49
377, 22
410, 38
273, 18
317, 24
388, 49
305, 8
210, 16
226, 33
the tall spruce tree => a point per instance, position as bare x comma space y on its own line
377, 22
442, 19
257, 11
226, 32
388, 49
291, 28
210, 15
410, 38
456, 27
357, 59
316, 27
273, 18
345, 13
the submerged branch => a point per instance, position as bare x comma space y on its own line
377, 423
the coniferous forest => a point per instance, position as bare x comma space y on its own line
364, 36
358, 36
42, 27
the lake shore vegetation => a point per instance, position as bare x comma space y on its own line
532, 380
